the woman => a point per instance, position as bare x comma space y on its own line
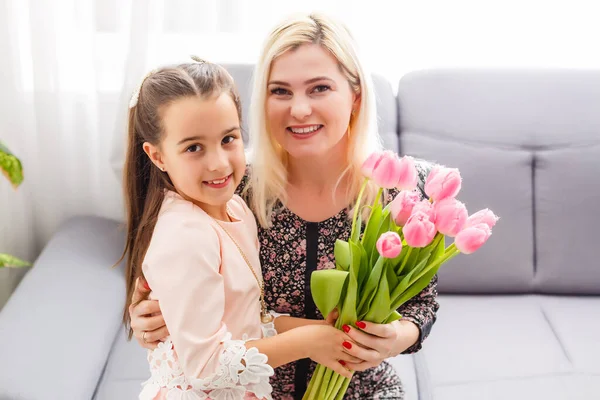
312, 126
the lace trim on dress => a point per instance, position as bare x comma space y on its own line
240, 370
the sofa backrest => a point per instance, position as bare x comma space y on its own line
527, 143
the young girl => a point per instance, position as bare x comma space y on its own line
195, 243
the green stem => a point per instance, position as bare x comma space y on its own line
340, 394
377, 198
315, 384
333, 392
450, 252
357, 206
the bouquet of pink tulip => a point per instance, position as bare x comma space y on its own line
401, 249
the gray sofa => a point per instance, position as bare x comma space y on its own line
520, 319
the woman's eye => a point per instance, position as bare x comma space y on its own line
321, 88
228, 139
193, 149
279, 91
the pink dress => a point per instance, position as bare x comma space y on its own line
210, 302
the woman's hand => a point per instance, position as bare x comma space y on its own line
325, 345
373, 343
147, 322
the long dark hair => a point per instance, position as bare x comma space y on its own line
144, 183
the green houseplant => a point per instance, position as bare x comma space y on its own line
12, 168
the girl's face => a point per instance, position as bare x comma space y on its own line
309, 102
202, 149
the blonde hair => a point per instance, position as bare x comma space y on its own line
269, 161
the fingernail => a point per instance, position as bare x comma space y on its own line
146, 285
346, 328
347, 345
342, 362
361, 325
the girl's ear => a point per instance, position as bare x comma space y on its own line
154, 154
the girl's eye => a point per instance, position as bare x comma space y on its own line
321, 88
279, 91
228, 139
193, 148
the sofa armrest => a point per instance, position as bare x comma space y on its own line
57, 329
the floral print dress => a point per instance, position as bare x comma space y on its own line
290, 250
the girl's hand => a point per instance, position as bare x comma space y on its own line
147, 322
325, 345
373, 343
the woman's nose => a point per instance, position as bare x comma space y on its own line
301, 108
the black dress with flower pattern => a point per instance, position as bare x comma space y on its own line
290, 250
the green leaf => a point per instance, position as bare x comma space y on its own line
391, 276
341, 251
357, 229
365, 268
348, 311
11, 166
394, 316
370, 235
370, 287
380, 307
327, 287
406, 281
8, 261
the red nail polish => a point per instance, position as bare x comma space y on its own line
347, 345
146, 285
342, 362
361, 325
346, 328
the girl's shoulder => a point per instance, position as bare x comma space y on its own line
180, 217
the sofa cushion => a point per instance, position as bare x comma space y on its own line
527, 143
58, 327
575, 320
125, 370
566, 217
485, 347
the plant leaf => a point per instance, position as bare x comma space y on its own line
10, 166
370, 287
394, 316
341, 251
8, 261
380, 307
370, 235
327, 287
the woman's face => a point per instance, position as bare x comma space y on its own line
309, 102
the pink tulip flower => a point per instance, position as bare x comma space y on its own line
407, 174
371, 163
485, 216
450, 216
419, 231
389, 245
426, 207
470, 239
386, 172
402, 205
443, 183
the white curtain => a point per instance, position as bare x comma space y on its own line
67, 68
